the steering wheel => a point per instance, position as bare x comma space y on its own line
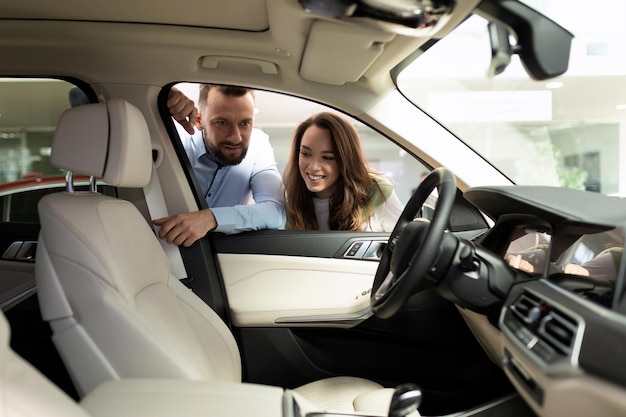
413, 246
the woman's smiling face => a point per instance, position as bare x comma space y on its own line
317, 163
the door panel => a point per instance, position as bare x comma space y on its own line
284, 287
270, 290
17, 282
17, 263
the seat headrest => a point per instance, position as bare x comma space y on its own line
106, 140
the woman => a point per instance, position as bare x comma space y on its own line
328, 183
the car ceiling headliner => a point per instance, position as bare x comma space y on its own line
157, 41
246, 15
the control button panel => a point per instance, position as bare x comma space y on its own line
366, 249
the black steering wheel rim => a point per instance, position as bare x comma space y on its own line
413, 246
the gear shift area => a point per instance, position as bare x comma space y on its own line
405, 400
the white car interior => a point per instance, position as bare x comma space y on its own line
149, 397
468, 308
262, 292
103, 302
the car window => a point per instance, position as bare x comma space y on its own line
566, 131
29, 111
22, 206
278, 115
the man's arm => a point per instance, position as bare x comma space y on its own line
268, 211
182, 109
184, 229
268, 194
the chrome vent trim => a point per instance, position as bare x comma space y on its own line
559, 331
548, 330
526, 307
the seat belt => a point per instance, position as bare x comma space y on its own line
153, 194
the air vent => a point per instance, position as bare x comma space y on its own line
526, 307
558, 330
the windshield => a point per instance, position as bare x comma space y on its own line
568, 131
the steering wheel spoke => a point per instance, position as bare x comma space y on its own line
384, 286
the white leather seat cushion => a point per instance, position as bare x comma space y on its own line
338, 393
171, 397
24, 392
377, 402
349, 395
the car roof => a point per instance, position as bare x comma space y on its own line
271, 44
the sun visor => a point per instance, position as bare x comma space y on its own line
337, 53
418, 18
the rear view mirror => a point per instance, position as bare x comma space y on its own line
542, 45
501, 48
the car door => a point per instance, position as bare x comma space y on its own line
298, 301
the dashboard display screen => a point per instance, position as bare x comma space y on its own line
529, 251
596, 255
590, 265
584, 261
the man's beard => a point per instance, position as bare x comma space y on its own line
221, 157
228, 159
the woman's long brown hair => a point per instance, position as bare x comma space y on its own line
348, 204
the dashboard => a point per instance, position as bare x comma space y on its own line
561, 324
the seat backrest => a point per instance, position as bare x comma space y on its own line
20, 383
103, 280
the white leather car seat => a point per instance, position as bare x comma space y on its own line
104, 282
25, 392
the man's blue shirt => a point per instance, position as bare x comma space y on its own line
247, 196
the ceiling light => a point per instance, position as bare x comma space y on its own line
283, 51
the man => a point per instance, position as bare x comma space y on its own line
233, 162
